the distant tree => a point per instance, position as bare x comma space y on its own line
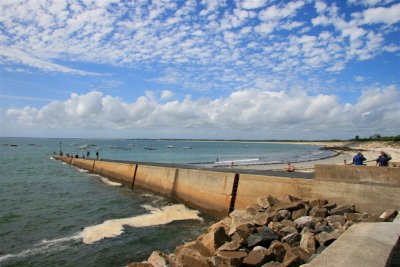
357, 138
375, 137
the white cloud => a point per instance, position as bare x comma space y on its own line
388, 15
166, 94
245, 112
253, 4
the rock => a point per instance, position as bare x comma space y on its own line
276, 226
352, 216
139, 264
318, 212
329, 206
364, 216
336, 233
348, 224
318, 203
286, 230
263, 238
324, 238
279, 249
189, 257
373, 218
233, 258
289, 206
261, 218
257, 257
341, 210
232, 245
389, 215
272, 264
307, 242
273, 216
292, 238
304, 221
293, 199
240, 217
288, 223
285, 214
263, 202
336, 218
295, 257
299, 213
245, 230
338, 226
159, 259
195, 246
253, 209
272, 201
214, 238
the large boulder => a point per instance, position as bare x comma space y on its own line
295, 257
195, 246
189, 257
235, 244
342, 209
263, 238
257, 257
214, 238
233, 258
240, 217
159, 259
307, 242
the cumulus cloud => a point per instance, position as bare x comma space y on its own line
248, 112
245, 40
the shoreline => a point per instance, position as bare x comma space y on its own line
345, 150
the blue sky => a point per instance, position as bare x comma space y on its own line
251, 69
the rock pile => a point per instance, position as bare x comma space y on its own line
268, 233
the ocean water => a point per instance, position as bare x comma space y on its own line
53, 214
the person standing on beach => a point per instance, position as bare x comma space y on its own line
359, 159
88, 154
97, 154
383, 159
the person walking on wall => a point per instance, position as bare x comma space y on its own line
383, 159
359, 159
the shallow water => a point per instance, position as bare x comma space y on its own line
55, 214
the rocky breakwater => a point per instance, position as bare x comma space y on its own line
268, 233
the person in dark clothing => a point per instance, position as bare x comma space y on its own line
88, 154
97, 154
359, 159
383, 159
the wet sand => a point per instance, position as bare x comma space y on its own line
345, 152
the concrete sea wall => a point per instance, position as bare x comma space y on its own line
216, 192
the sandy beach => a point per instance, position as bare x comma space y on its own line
345, 152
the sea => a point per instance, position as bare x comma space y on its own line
53, 214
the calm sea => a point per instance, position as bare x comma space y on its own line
53, 214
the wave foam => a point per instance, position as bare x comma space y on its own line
110, 183
43, 247
113, 228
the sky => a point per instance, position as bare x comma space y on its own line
250, 69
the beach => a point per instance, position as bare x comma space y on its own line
345, 150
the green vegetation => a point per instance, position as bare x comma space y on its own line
377, 137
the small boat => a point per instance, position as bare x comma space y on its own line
111, 146
187, 147
13, 145
150, 148
84, 147
170, 146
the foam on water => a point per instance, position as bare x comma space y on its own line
113, 228
81, 170
110, 183
43, 247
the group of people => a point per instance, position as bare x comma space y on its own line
382, 160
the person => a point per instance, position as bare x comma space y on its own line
383, 159
359, 159
88, 154
289, 168
97, 154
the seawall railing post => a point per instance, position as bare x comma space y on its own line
134, 176
92, 170
234, 192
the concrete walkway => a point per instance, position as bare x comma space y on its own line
362, 245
